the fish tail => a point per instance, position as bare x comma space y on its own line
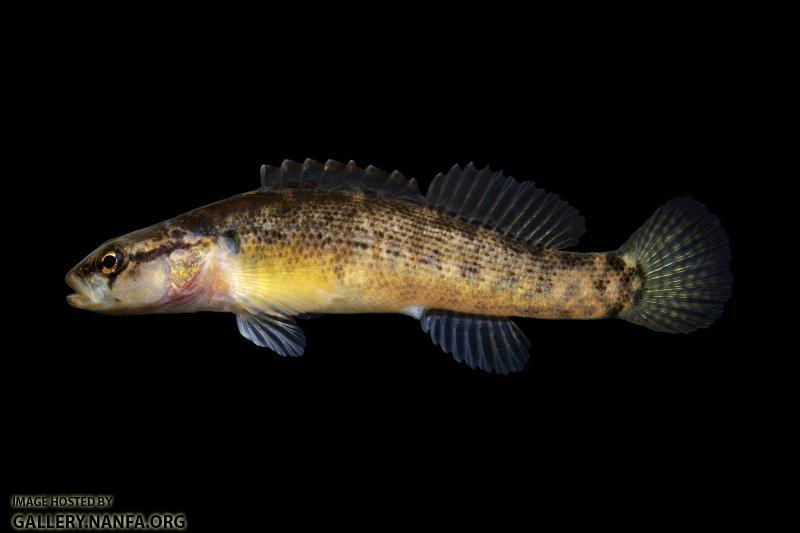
683, 257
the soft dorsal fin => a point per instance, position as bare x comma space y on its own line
493, 344
517, 210
334, 175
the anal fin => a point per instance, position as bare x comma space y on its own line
493, 344
280, 334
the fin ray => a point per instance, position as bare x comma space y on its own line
684, 257
517, 210
280, 334
493, 344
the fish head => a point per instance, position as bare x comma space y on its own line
154, 270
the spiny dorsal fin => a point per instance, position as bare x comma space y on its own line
517, 210
493, 344
334, 175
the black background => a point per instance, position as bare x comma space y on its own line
181, 413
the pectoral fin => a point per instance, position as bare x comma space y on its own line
493, 344
280, 334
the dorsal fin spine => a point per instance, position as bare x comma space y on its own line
504, 192
433, 191
467, 179
333, 176
498, 184
474, 197
470, 188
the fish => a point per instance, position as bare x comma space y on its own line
477, 250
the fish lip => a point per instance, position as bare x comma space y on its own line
79, 301
83, 297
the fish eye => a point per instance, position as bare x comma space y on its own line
109, 262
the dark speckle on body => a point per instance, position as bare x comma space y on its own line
614, 310
615, 263
410, 252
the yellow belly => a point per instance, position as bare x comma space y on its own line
361, 282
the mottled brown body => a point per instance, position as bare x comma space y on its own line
478, 248
344, 252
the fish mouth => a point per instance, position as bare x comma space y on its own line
83, 297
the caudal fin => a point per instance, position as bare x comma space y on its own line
685, 259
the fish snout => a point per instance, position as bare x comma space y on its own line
83, 297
